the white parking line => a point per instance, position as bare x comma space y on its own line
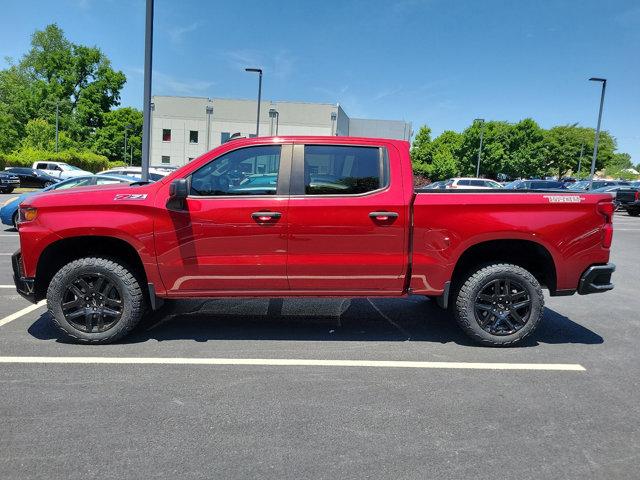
7, 286
22, 312
292, 362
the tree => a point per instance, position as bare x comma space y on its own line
563, 145
109, 139
55, 71
40, 135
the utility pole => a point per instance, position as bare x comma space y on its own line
481, 120
259, 72
57, 121
595, 143
146, 126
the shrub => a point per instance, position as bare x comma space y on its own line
85, 160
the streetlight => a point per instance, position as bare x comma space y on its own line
595, 143
57, 121
126, 129
273, 113
481, 120
259, 72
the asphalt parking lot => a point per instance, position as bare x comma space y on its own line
326, 420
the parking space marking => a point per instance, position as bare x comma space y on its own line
21, 313
7, 286
293, 362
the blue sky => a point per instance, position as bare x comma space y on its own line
438, 62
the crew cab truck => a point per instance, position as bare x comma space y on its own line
308, 216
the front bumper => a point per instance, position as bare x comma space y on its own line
24, 285
596, 279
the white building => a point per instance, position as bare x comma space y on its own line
185, 127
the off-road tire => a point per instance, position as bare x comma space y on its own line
465, 297
133, 299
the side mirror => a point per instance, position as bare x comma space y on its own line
178, 193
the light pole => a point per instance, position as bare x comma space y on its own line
481, 120
259, 72
580, 159
146, 126
595, 143
126, 129
130, 154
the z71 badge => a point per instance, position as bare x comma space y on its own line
130, 196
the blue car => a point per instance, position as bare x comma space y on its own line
9, 212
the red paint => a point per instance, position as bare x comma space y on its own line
319, 245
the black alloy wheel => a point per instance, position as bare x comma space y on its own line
502, 306
92, 303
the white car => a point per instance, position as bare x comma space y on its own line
60, 170
155, 174
472, 184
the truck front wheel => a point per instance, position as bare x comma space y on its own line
95, 300
499, 305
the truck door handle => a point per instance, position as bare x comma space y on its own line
263, 217
383, 216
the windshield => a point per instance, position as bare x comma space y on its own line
581, 185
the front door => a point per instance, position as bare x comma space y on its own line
232, 236
348, 221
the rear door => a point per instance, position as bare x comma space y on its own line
347, 220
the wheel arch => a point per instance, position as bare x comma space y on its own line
59, 253
528, 254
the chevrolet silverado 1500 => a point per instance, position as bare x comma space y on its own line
309, 216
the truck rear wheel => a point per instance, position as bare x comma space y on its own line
634, 212
95, 300
499, 305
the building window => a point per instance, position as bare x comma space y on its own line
252, 135
166, 159
191, 158
193, 136
166, 134
224, 137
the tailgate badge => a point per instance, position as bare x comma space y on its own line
564, 198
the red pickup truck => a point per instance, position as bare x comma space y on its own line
308, 216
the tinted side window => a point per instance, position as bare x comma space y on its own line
343, 170
42, 166
247, 171
464, 182
477, 183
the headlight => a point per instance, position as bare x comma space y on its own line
27, 214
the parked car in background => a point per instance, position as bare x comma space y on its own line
9, 212
627, 198
583, 185
441, 185
535, 185
32, 178
8, 181
60, 170
472, 184
155, 174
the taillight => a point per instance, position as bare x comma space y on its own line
637, 197
606, 209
